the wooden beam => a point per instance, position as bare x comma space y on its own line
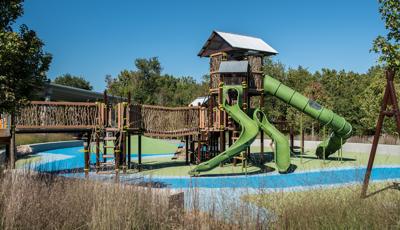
187, 150
389, 98
140, 151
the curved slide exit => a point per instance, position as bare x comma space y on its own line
282, 148
249, 131
341, 128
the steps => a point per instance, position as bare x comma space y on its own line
109, 139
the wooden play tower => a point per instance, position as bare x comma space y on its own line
234, 60
107, 126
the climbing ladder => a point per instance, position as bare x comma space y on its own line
107, 138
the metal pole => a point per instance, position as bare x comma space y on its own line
341, 150
302, 139
291, 139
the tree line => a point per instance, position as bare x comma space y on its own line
148, 86
354, 96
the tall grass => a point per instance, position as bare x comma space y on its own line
37, 201
334, 208
40, 201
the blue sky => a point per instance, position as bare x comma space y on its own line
92, 38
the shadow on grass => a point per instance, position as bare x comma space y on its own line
150, 165
266, 169
331, 158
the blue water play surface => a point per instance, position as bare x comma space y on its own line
72, 159
297, 179
69, 160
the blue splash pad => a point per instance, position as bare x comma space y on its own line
70, 159
273, 181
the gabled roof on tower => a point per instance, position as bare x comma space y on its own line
226, 42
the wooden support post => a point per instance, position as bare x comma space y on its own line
191, 149
117, 153
222, 140
199, 148
97, 151
105, 122
129, 150
140, 152
128, 133
86, 151
13, 149
8, 150
123, 151
230, 135
389, 98
262, 143
302, 142
291, 139
187, 150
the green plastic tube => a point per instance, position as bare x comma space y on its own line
341, 128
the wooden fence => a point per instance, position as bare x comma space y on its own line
58, 115
164, 121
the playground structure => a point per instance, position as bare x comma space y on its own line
220, 130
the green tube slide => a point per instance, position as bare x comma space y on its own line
341, 128
282, 148
249, 131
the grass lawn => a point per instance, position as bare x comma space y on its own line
152, 146
149, 146
27, 160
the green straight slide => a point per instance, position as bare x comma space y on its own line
282, 149
249, 131
341, 128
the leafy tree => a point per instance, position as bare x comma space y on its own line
389, 46
23, 63
370, 100
73, 81
275, 108
148, 86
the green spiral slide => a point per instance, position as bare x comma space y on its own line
341, 128
249, 131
